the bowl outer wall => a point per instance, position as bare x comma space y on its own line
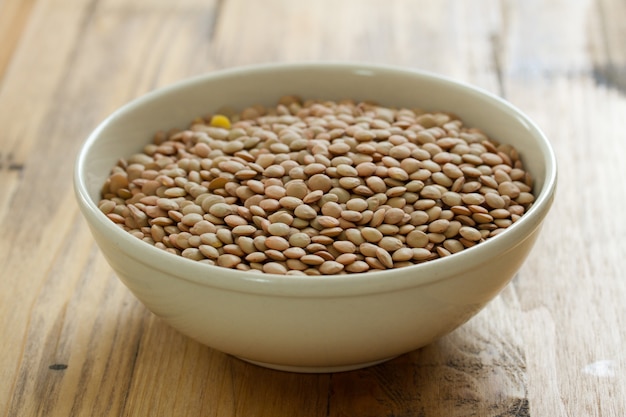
319, 333
128, 129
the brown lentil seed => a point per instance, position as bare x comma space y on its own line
346, 258
470, 233
417, 239
256, 257
193, 254
351, 215
300, 240
246, 244
482, 218
368, 249
331, 267
494, 200
332, 232
313, 197
357, 266
489, 181
366, 169
296, 188
295, 265
371, 234
232, 249
376, 184
225, 236
326, 255
344, 246
525, 198
278, 229
276, 192
305, 212
473, 199
312, 260
320, 182
228, 260
269, 205
356, 204
500, 213
438, 226
389, 229
221, 210
354, 236
384, 257
421, 254
281, 217
509, 188
394, 216
390, 243
402, 254
294, 252
274, 268
290, 202
328, 221
332, 209
275, 255
277, 243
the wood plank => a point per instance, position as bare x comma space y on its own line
406, 33
565, 77
576, 300
28, 89
227, 386
68, 83
607, 50
14, 15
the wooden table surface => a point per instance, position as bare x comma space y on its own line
75, 342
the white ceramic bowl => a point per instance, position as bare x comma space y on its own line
313, 324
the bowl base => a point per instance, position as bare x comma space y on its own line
315, 369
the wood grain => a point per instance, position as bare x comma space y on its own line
13, 17
75, 342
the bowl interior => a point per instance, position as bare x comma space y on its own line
132, 126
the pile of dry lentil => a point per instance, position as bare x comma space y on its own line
319, 187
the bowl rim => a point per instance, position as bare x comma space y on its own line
324, 285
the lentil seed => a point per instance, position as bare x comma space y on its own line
384, 257
275, 255
344, 246
277, 243
368, 249
371, 234
312, 259
274, 229
228, 260
390, 243
330, 267
470, 233
402, 254
357, 266
274, 268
